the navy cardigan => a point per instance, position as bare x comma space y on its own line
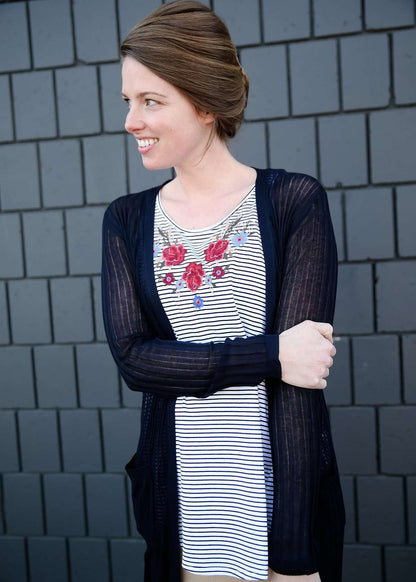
300, 253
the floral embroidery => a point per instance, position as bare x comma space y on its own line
170, 252
216, 250
169, 279
193, 276
218, 272
198, 301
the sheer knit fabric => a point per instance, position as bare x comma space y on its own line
211, 283
308, 520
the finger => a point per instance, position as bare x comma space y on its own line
325, 329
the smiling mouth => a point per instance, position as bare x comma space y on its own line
144, 143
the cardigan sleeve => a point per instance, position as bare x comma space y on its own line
162, 366
300, 424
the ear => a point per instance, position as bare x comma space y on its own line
207, 117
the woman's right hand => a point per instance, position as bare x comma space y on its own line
305, 354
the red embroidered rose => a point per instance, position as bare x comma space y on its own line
174, 255
218, 272
169, 279
193, 276
216, 250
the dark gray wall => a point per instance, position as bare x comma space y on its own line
333, 94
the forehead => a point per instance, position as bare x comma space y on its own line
137, 77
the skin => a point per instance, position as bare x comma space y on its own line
209, 183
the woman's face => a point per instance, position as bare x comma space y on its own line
168, 129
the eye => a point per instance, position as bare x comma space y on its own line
127, 102
150, 102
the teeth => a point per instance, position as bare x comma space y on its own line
146, 142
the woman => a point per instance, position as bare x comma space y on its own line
218, 293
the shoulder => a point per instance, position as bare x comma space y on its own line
295, 186
129, 207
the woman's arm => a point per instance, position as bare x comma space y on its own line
308, 293
170, 367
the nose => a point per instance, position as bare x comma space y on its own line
133, 122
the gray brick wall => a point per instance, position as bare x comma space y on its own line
332, 94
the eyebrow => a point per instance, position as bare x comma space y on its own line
143, 93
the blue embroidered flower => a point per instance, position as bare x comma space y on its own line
156, 251
198, 301
208, 280
239, 239
180, 284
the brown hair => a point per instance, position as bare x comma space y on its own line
188, 45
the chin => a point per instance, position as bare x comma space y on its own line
150, 164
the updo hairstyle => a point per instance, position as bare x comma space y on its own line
189, 46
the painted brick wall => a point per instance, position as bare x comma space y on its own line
333, 94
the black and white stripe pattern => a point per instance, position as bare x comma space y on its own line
225, 476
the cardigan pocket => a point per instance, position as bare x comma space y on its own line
142, 497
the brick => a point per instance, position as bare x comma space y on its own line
336, 16
365, 71
114, 108
405, 203
249, 145
347, 485
338, 390
22, 504
64, 505
6, 125
396, 298
292, 145
400, 563
268, 95
9, 458
97, 375
44, 243
16, 376
89, 560
80, 440
38, 120
388, 13
47, 559
95, 30
14, 40
131, 398
121, 432
104, 168
29, 311
241, 18
361, 563
335, 208
71, 306
11, 257
12, 555
84, 232
4, 316
106, 505
354, 301
55, 376
380, 522
286, 20
52, 45
127, 562
376, 369
409, 368
19, 181
313, 70
397, 433
400, 127
132, 520
411, 508
98, 312
356, 449
404, 61
38, 431
139, 178
343, 150
131, 12
77, 92
370, 225
61, 172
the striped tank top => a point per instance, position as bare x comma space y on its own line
211, 283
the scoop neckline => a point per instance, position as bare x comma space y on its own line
205, 228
